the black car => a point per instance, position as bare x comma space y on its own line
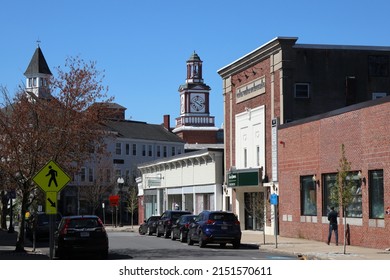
81, 234
180, 227
39, 223
149, 226
215, 227
167, 219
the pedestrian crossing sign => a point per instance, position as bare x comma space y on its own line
51, 202
51, 178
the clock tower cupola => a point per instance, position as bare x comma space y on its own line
194, 102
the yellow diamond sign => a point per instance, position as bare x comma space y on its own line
51, 178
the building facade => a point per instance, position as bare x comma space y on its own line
279, 82
191, 181
309, 157
129, 143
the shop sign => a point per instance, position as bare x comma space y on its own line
243, 178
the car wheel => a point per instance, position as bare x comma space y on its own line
104, 254
181, 237
59, 254
173, 236
166, 233
189, 240
236, 244
202, 243
140, 231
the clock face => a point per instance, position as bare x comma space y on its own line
197, 103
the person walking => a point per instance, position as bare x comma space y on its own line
332, 218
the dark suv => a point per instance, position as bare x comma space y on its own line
81, 234
167, 219
215, 227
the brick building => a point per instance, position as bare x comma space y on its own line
309, 154
277, 83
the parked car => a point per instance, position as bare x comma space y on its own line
81, 234
215, 227
149, 226
179, 229
167, 219
40, 224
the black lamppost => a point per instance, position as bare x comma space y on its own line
120, 182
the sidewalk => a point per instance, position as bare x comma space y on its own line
312, 250
302, 248
7, 248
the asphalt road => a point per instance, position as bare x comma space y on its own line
131, 245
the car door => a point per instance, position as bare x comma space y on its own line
161, 221
194, 227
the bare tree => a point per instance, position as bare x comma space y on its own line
254, 205
132, 202
61, 128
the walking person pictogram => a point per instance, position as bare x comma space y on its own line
53, 174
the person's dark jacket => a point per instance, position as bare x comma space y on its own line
332, 218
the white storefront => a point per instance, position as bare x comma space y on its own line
191, 181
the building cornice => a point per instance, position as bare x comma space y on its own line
255, 56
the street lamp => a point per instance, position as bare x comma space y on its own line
120, 182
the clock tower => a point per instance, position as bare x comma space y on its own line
195, 125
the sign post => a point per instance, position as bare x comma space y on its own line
51, 179
274, 201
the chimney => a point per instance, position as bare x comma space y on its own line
167, 122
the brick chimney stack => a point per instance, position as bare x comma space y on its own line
167, 121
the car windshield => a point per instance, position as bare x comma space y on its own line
83, 223
228, 217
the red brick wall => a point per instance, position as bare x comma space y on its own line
200, 137
315, 148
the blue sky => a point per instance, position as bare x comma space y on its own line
143, 45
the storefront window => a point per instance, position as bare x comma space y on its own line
308, 196
354, 210
204, 201
329, 181
376, 195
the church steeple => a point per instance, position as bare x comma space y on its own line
38, 75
